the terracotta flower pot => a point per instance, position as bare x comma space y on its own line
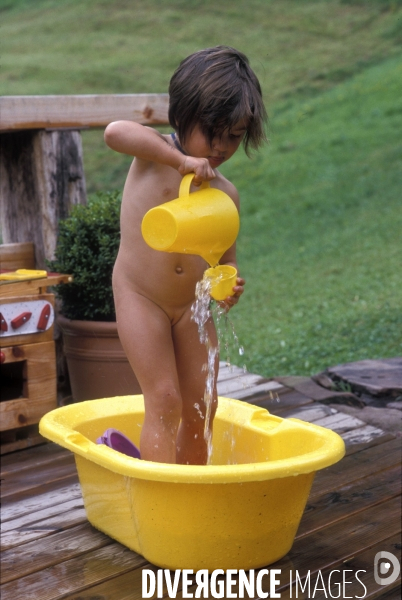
97, 364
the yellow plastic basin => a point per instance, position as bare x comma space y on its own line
240, 512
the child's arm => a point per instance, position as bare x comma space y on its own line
148, 144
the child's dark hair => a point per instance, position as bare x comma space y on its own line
216, 88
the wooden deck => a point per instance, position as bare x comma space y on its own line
51, 552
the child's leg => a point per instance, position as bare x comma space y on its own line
191, 355
146, 335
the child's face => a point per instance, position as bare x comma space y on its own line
221, 149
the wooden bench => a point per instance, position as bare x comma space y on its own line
51, 552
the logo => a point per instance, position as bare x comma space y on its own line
386, 568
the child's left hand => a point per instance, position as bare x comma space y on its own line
232, 300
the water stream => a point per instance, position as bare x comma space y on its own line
203, 309
201, 312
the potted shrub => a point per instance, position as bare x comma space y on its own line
87, 246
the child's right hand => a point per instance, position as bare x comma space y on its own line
200, 166
233, 300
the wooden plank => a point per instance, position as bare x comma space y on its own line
48, 526
128, 587
230, 373
241, 382
20, 439
226, 367
313, 390
17, 256
374, 441
362, 563
31, 287
279, 401
257, 390
356, 433
41, 455
74, 575
391, 594
80, 112
13, 510
363, 436
124, 587
339, 424
34, 481
357, 466
40, 514
28, 338
309, 413
12, 354
51, 550
345, 500
332, 545
15, 413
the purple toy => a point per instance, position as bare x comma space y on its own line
118, 441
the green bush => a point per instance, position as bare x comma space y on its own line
87, 247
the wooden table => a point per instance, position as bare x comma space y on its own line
51, 552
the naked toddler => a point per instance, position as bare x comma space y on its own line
215, 104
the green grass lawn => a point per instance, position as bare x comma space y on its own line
320, 242
126, 46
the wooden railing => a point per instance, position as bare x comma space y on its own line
80, 112
41, 166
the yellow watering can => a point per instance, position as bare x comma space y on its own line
205, 222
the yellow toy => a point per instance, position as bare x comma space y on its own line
22, 274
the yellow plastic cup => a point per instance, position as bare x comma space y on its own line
205, 223
223, 278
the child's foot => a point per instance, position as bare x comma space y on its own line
118, 441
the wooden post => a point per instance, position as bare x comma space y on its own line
41, 171
41, 178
